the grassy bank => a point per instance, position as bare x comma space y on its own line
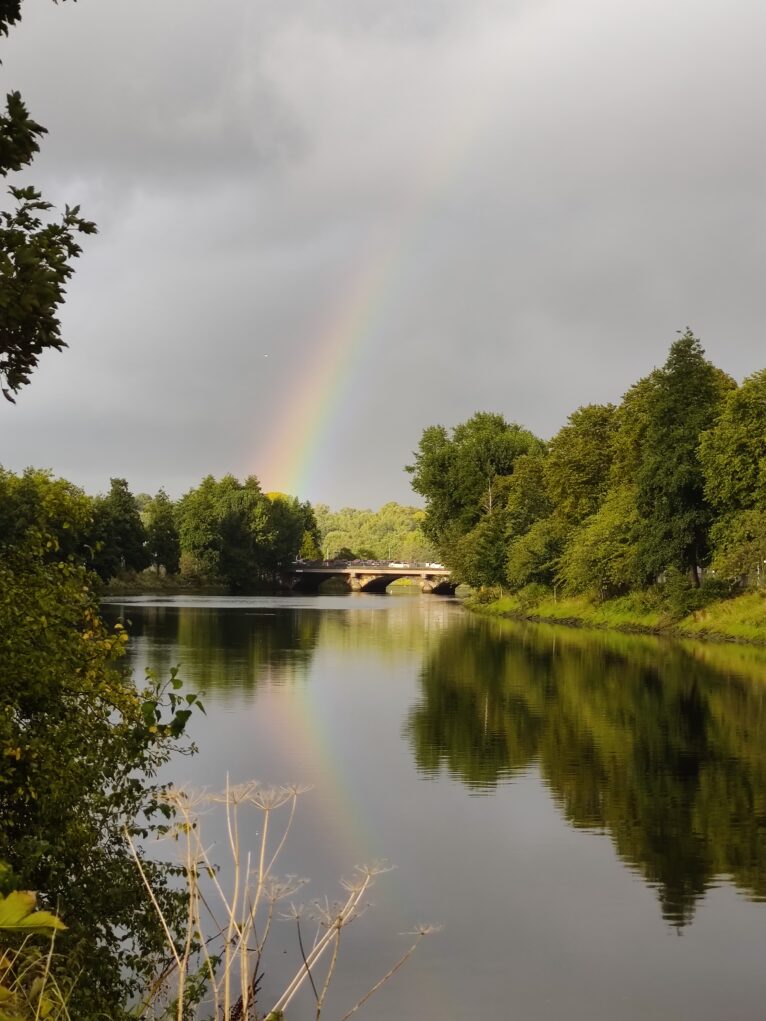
740, 618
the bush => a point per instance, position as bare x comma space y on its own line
80, 747
680, 597
532, 595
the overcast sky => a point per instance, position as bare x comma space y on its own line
327, 224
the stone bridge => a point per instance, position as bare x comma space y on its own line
367, 576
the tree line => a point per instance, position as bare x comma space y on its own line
222, 531
668, 487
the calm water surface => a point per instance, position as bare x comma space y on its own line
584, 813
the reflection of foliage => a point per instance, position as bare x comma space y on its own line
241, 647
222, 648
636, 737
482, 731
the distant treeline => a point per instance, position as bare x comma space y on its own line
392, 533
222, 532
668, 488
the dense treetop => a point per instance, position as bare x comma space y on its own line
673, 479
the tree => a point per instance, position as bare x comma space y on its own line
232, 533
600, 555
54, 507
36, 253
80, 745
119, 533
631, 424
733, 452
576, 469
527, 499
478, 558
162, 542
739, 546
292, 525
245, 531
464, 478
309, 547
684, 401
533, 558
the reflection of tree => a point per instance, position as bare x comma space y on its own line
504, 730
407, 626
639, 738
221, 648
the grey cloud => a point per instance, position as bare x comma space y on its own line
547, 190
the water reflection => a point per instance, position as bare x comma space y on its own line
220, 648
224, 644
646, 740
660, 745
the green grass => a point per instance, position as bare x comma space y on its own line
741, 618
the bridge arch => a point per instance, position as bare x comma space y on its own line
371, 578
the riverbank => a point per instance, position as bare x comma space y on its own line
739, 619
146, 583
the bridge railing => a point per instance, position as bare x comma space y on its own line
411, 565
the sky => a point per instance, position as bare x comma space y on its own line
325, 225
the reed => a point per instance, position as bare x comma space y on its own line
215, 969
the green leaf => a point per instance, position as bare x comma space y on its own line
17, 912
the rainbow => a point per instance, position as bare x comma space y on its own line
302, 441
313, 411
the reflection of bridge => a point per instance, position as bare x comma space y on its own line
367, 576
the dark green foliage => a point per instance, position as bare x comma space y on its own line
478, 558
458, 475
739, 547
162, 543
36, 252
464, 479
293, 526
233, 533
119, 536
534, 556
685, 400
309, 549
680, 597
10, 13
35, 264
18, 135
618, 498
79, 747
631, 424
35, 502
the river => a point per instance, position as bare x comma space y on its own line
584, 813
